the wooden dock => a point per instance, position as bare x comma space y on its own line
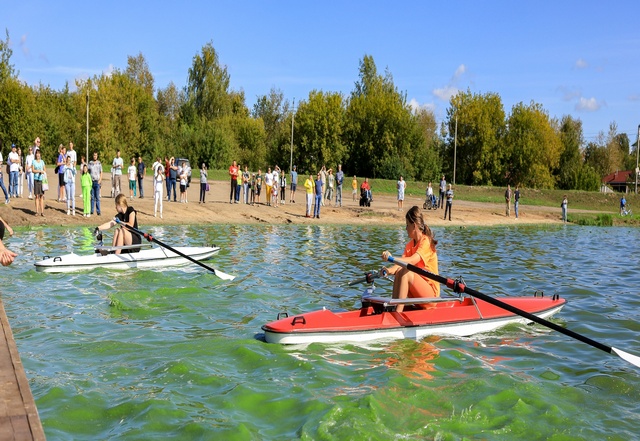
19, 418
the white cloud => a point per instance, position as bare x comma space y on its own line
23, 45
108, 71
588, 104
451, 89
416, 106
581, 63
445, 93
459, 71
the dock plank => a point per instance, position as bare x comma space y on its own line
19, 418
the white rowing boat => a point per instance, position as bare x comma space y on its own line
145, 258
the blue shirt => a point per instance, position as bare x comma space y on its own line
319, 187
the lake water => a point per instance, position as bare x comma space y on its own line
177, 354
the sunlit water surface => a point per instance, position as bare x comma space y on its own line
145, 354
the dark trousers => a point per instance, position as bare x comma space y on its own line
447, 209
442, 200
140, 188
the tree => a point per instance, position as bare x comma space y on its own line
571, 140
6, 68
208, 85
480, 151
533, 147
380, 131
318, 131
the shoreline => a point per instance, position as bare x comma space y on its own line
20, 212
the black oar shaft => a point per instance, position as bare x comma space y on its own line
461, 287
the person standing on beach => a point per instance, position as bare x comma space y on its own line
268, 182
86, 183
116, 167
339, 182
507, 200
319, 199
203, 182
95, 169
401, 185
258, 186
331, 180
233, 175
516, 199
62, 161
309, 186
443, 189
294, 184
142, 170
354, 188
70, 186
39, 173
449, 196
132, 171
564, 205
28, 162
158, 185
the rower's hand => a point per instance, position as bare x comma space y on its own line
386, 255
384, 271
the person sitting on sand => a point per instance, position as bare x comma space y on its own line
123, 235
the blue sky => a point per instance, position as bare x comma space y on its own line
580, 58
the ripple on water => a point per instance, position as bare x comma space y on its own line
173, 354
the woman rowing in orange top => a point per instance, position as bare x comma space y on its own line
421, 252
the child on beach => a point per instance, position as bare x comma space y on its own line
86, 183
274, 194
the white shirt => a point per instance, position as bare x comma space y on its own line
133, 172
14, 166
268, 179
28, 162
74, 157
117, 166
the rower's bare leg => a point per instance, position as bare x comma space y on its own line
402, 280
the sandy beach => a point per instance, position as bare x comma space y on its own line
20, 212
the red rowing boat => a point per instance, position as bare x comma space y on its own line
376, 319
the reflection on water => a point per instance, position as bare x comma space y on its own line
172, 353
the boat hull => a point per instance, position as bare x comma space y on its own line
457, 318
152, 258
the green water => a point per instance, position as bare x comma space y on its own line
177, 354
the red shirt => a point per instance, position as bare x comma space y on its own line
233, 171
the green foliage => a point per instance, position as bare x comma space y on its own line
533, 147
373, 132
479, 152
208, 86
571, 138
380, 132
318, 131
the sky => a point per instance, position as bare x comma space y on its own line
578, 58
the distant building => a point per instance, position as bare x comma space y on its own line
621, 181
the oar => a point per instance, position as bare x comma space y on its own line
461, 287
150, 238
368, 278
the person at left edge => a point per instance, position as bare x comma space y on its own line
123, 236
419, 251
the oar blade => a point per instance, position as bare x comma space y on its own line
633, 359
224, 276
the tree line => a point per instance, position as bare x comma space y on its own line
373, 131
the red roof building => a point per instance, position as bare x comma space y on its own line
621, 181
